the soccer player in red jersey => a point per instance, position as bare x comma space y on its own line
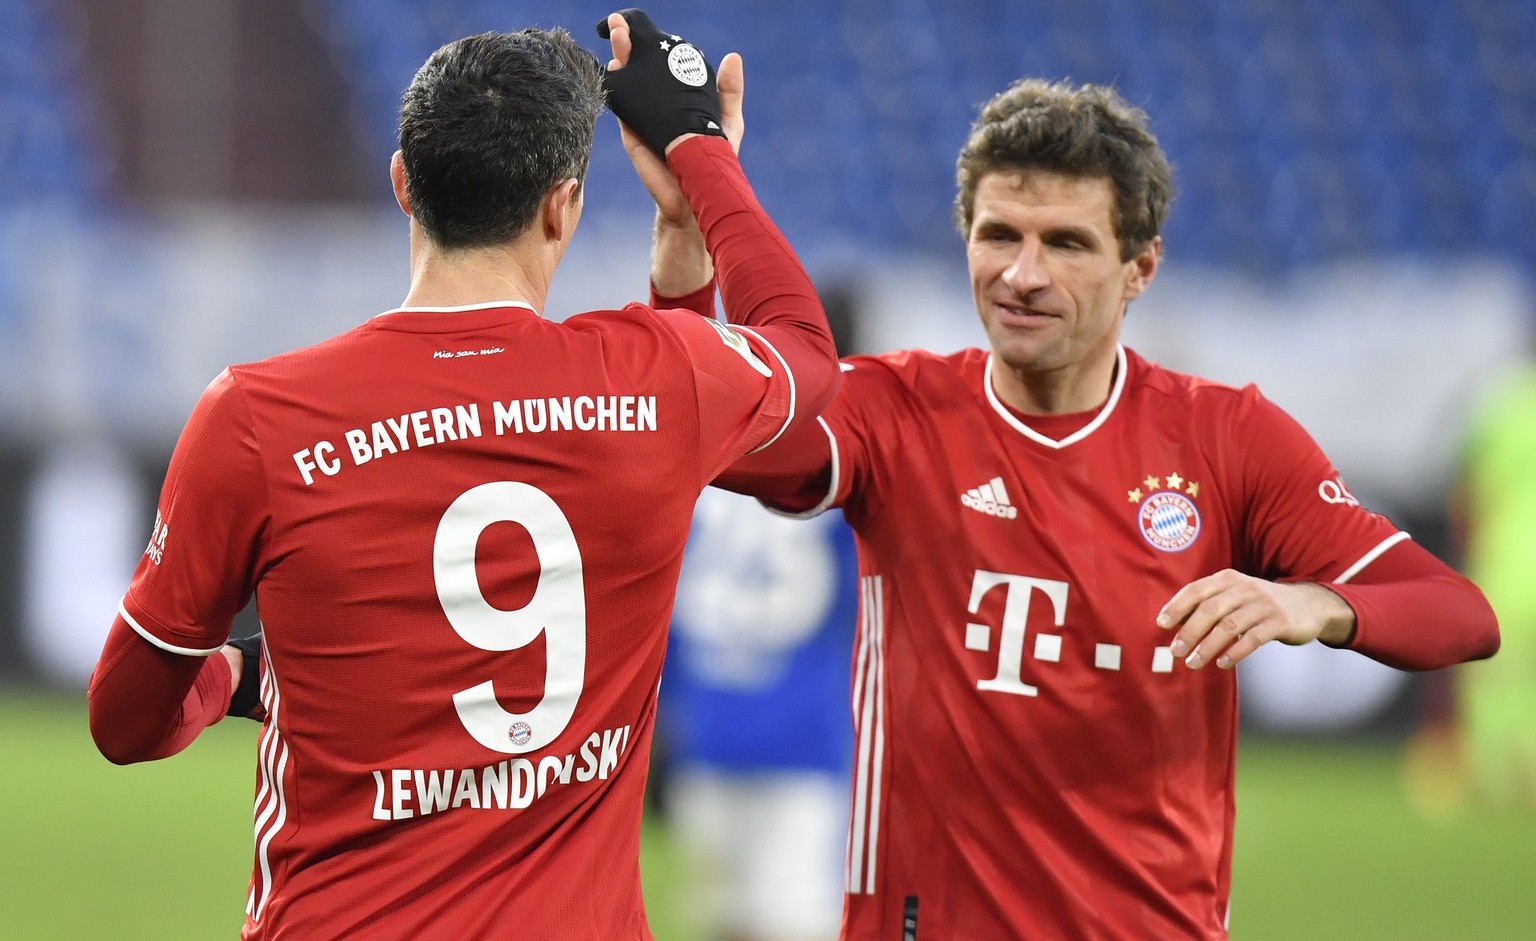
463, 523
1064, 549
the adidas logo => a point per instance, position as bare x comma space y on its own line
990, 498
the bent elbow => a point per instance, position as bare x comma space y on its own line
116, 751
1490, 642
821, 393
115, 743
1486, 640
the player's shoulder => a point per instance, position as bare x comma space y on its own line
1159, 386
223, 394
319, 358
633, 318
919, 373
639, 333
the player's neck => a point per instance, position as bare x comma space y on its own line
1068, 390
468, 277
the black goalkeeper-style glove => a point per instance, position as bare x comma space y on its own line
666, 89
245, 701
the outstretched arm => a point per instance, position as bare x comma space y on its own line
1407, 609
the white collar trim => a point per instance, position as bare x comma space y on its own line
1079, 434
450, 310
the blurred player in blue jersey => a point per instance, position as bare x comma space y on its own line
754, 713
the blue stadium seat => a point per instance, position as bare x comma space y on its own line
1298, 127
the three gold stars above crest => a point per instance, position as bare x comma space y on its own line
1173, 482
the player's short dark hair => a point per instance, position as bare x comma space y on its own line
1079, 131
489, 124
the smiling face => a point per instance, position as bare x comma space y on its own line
1050, 286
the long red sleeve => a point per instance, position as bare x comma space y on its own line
762, 283
701, 301
793, 474
1414, 612
147, 703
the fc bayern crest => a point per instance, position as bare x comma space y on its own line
520, 733
687, 65
1169, 521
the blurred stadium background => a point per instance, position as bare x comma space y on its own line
189, 184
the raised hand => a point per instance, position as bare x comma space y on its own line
663, 88
658, 180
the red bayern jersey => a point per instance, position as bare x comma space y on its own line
463, 529
1031, 761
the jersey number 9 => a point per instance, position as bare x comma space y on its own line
557, 609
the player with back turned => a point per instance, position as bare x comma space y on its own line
463, 523
1058, 541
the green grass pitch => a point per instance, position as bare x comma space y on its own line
1328, 846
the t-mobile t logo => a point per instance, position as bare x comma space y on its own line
1010, 651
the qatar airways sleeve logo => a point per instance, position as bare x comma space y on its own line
1167, 516
1333, 491
156, 548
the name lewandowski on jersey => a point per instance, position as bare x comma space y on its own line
511, 784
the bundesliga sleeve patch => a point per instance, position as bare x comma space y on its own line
739, 343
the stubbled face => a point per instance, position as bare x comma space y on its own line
1047, 277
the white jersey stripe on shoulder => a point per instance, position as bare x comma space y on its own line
169, 648
1371, 556
1076, 436
788, 373
836, 481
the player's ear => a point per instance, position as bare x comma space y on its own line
397, 178
561, 209
1140, 270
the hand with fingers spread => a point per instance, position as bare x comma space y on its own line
1227, 616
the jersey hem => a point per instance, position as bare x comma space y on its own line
826, 502
144, 632
1370, 557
